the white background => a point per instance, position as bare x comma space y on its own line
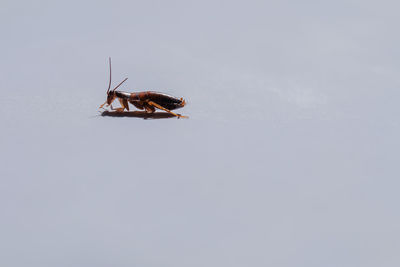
289, 158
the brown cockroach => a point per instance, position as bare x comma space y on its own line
146, 100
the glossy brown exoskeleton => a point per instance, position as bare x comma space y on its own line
147, 100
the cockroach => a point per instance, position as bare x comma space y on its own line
147, 100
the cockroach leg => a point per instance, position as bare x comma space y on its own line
121, 109
124, 103
149, 108
162, 108
137, 104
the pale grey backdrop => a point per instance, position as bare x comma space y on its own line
289, 158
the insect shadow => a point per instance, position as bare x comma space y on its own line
137, 114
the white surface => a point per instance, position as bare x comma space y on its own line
289, 158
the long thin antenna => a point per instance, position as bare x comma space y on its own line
120, 84
109, 83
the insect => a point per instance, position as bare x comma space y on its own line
146, 100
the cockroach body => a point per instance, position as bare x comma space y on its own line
147, 100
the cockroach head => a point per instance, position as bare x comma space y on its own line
110, 97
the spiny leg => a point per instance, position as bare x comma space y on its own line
167, 110
121, 109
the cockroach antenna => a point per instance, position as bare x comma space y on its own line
120, 84
109, 83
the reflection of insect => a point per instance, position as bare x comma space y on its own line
147, 100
